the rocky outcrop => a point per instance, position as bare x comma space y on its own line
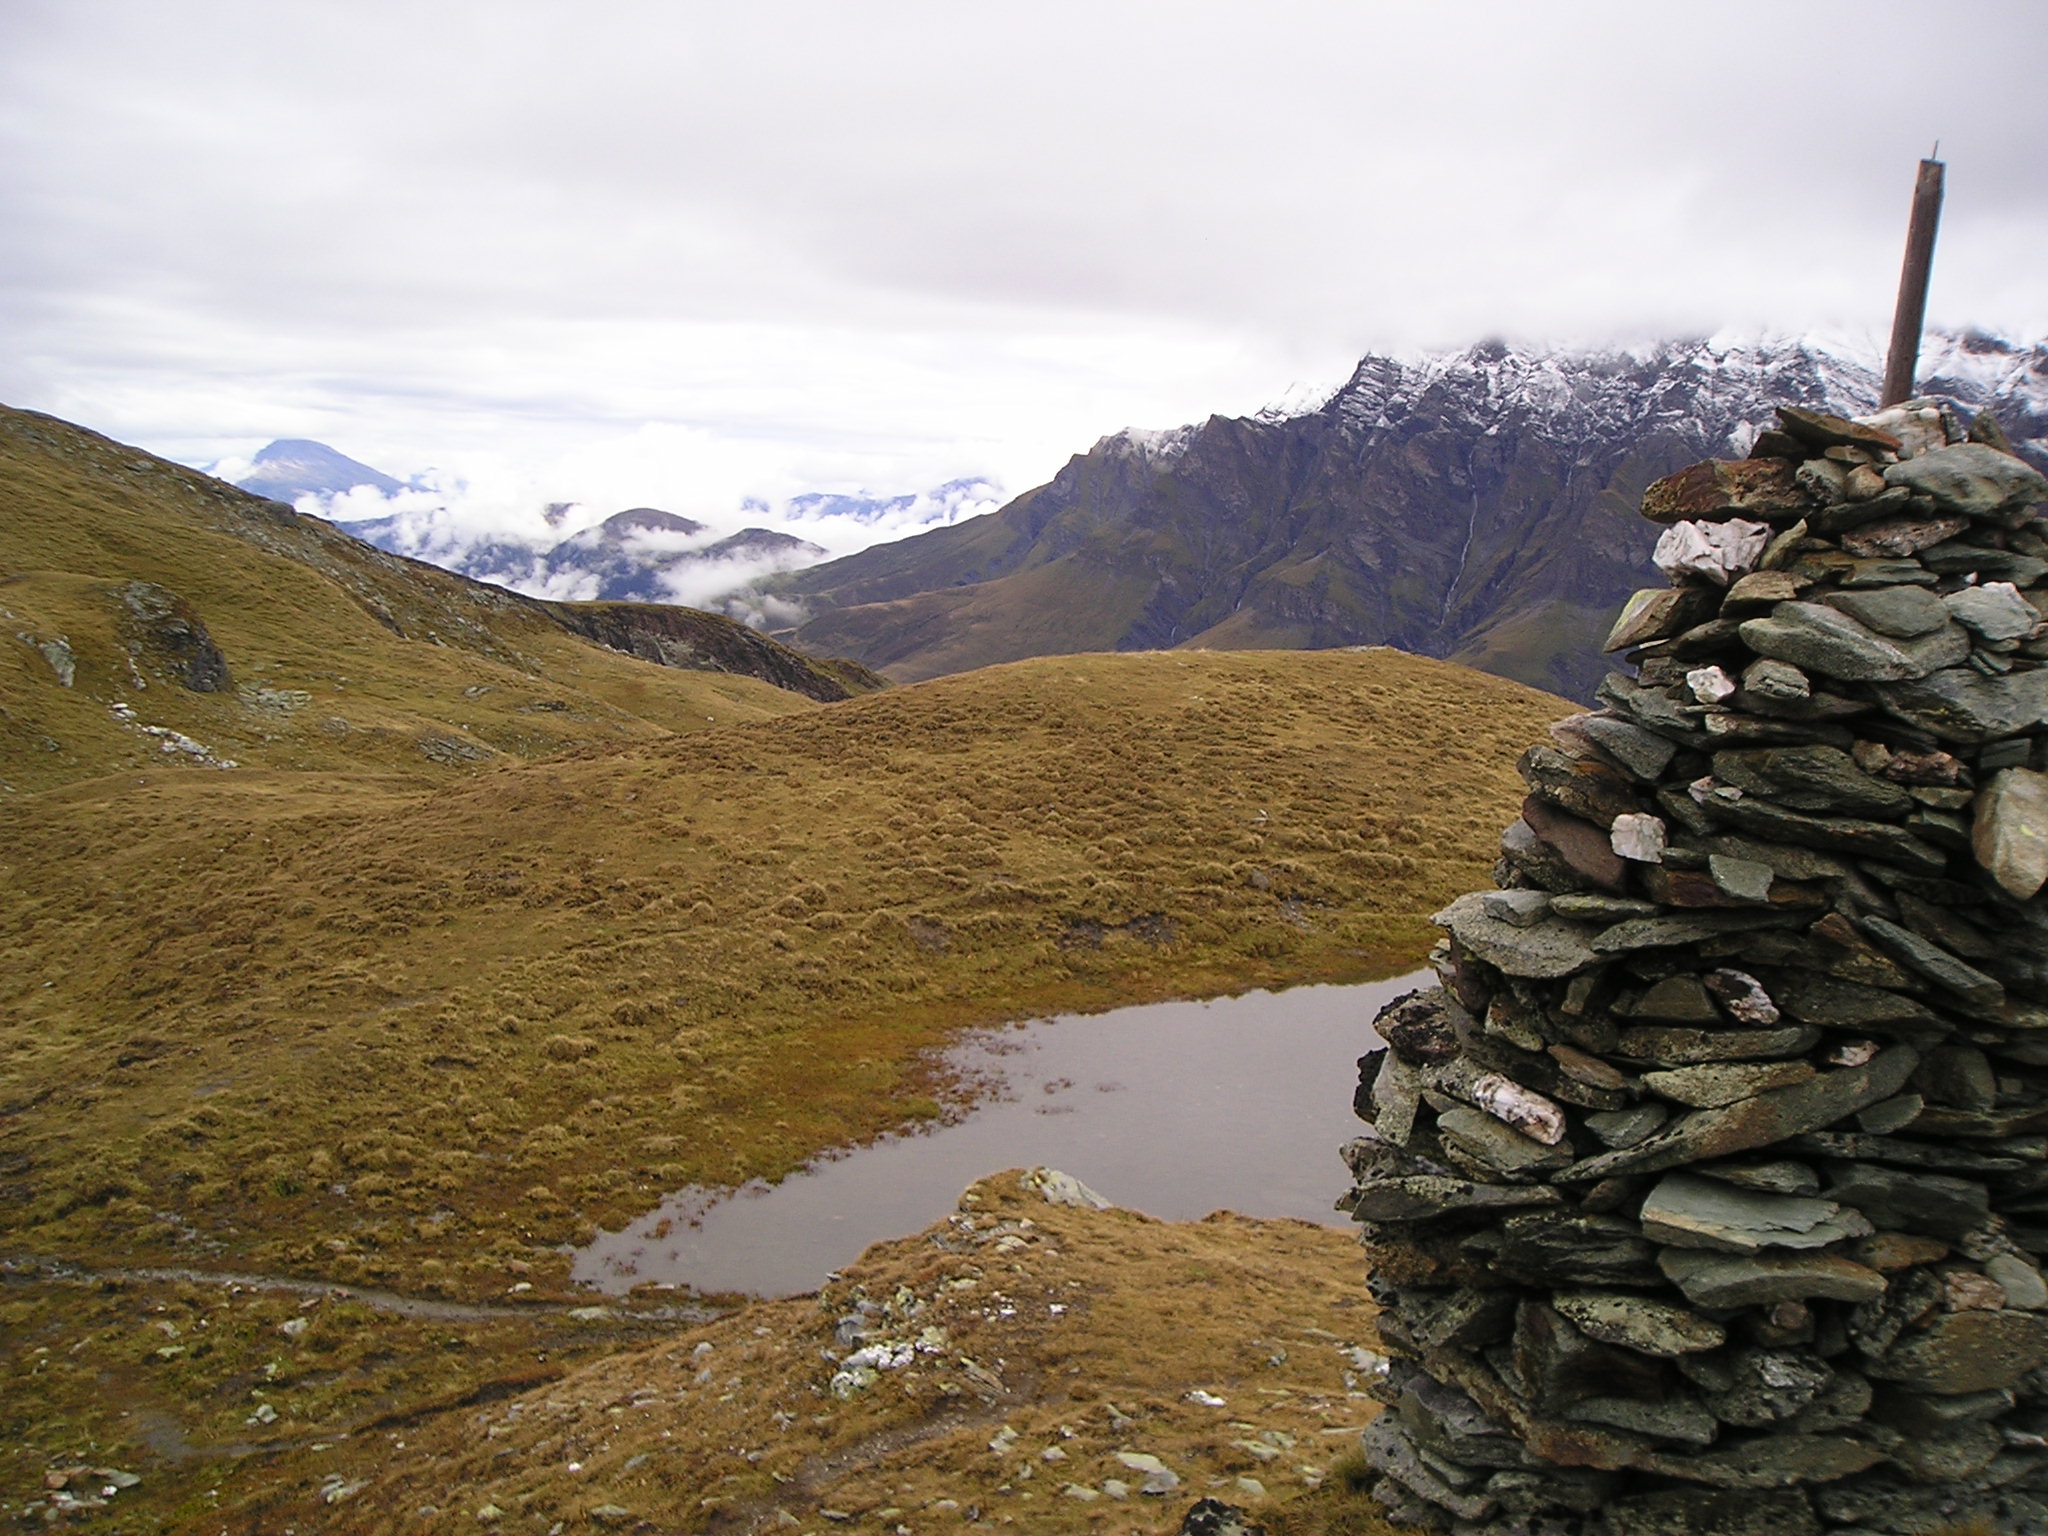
166, 635
1709, 1191
708, 642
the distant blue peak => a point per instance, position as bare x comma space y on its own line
293, 467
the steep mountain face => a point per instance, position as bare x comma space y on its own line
1477, 506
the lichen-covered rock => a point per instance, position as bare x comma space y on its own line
1686, 1211
1715, 1280
1994, 610
1540, 951
1818, 638
1722, 488
1968, 707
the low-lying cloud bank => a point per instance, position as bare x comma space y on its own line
580, 551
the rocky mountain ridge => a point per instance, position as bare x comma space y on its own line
1477, 506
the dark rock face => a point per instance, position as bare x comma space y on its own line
705, 642
1710, 1191
1213, 1517
166, 635
1480, 507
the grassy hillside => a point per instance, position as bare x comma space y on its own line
1055, 609
142, 602
1070, 1336
1055, 1339
416, 1033
538, 994
494, 935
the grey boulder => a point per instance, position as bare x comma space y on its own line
1542, 951
1995, 610
2009, 834
1687, 1211
1901, 612
1817, 638
1971, 479
1715, 1280
1961, 704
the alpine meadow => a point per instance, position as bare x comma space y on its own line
373, 936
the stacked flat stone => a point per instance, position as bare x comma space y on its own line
1709, 1191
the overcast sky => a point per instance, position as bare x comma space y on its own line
679, 252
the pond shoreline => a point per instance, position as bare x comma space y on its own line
1130, 1101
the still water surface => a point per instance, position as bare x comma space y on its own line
1174, 1109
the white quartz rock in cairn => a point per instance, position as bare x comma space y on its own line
1716, 552
1915, 423
1710, 685
1639, 837
1523, 1108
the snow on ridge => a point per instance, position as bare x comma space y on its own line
1154, 445
1716, 390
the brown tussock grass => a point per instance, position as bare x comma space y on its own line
1079, 1333
505, 1010
372, 1010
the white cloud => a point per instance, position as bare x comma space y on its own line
696, 250
501, 528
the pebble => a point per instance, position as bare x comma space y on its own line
1158, 1477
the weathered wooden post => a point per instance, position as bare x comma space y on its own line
1907, 320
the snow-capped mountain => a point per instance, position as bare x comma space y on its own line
1478, 504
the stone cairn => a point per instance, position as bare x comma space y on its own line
1708, 1193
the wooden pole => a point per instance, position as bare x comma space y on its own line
1904, 356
